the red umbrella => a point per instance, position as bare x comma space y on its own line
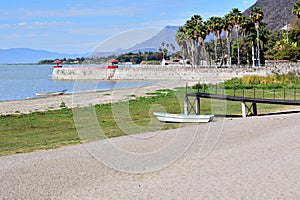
113, 61
57, 62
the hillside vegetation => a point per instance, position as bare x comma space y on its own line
277, 12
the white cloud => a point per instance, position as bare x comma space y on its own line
58, 13
249, 2
246, 2
39, 23
24, 35
163, 23
22, 24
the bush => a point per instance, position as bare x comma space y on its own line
62, 105
263, 82
150, 62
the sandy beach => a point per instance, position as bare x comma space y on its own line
81, 99
255, 158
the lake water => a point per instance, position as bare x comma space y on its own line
23, 81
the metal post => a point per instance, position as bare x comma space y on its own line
186, 101
244, 114
186, 105
295, 94
234, 90
197, 106
284, 94
254, 107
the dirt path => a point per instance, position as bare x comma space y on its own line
255, 158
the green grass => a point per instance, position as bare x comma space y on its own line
36, 131
52, 129
56, 128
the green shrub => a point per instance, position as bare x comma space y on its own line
150, 62
62, 105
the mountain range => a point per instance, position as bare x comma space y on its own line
26, 55
276, 14
166, 35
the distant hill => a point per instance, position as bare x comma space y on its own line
26, 55
276, 12
166, 35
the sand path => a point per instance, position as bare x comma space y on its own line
255, 158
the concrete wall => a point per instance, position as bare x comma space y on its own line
159, 72
92, 73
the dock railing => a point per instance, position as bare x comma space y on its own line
250, 94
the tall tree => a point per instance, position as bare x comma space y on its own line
228, 26
296, 9
181, 40
215, 26
257, 15
195, 33
237, 19
246, 26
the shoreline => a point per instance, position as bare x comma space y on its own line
81, 99
91, 98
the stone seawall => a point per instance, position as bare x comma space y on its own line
171, 72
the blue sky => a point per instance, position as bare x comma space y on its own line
79, 26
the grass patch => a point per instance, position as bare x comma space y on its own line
56, 128
36, 131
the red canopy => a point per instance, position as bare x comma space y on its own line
113, 61
57, 62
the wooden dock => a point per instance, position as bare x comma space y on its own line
246, 110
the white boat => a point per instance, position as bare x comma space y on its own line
181, 118
46, 94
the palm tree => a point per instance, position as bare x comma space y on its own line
162, 49
181, 40
264, 36
237, 19
215, 26
251, 38
172, 47
189, 30
296, 9
257, 16
228, 26
195, 32
202, 34
246, 26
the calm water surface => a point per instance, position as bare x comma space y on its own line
23, 81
